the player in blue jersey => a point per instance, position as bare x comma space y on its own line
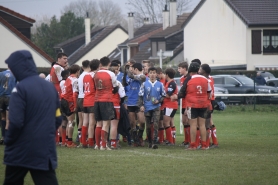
136, 78
151, 95
7, 83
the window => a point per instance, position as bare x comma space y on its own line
270, 41
230, 81
218, 80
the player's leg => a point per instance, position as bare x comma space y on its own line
141, 119
202, 114
186, 128
132, 120
213, 135
192, 116
92, 124
172, 125
80, 111
156, 118
167, 126
84, 129
148, 127
64, 130
114, 129
161, 127
71, 124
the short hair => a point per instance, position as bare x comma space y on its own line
117, 61
65, 73
206, 68
114, 64
159, 70
104, 61
197, 61
85, 63
170, 72
74, 68
194, 67
94, 64
145, 61
183, 65
53, 63
60, 55
138, 66
152, 69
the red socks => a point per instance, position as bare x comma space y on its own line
213, 135
98, 135
91, 142
169, 134
84, 131
187, 131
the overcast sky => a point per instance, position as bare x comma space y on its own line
37, 8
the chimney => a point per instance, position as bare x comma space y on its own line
146, 20
130, 25
173, 12
87, 30
165, 18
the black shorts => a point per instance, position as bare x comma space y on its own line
80, 105
104, 111
4, 103
88, 109
135, 109
66, 107
169, 112
193, 113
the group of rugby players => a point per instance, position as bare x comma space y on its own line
149, 96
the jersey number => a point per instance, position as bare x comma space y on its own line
99, 84
86, 87
199, 89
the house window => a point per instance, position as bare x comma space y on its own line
270, 41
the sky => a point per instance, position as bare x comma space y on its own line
38, 8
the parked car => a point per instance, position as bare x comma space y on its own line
272, 82
221, 91
239, 84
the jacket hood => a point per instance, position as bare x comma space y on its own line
21, 64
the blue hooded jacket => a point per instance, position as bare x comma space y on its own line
34, 117
7, 83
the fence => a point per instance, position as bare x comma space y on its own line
224, 95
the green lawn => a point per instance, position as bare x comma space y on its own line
248, 154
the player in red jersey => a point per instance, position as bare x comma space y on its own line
197, 94
183, 70
170, 105
211, 129
89, 121
161, 77
106, 85
56, 70
63, 131
69, 101
117, 98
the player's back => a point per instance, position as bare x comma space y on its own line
103, 84
197, 92
89, 90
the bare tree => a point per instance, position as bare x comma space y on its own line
39, 20
153, 9
101, 13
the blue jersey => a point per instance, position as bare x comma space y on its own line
134, 85
7, 83
120, 76
151, 92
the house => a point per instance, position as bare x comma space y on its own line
136, 42
233, 34
15, 31
93, 44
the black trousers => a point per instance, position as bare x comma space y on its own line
15, 175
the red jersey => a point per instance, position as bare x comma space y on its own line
183, 99
89, 90
70, 91
170, 89
116, 98
55, 76
197, 92
104, 82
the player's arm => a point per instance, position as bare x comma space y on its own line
75, 92
58, 72
209, 90
182, 91
141, 97
17, 116
162, 93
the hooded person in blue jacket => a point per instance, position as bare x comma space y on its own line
34, 116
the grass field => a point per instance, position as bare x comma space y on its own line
248, 154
